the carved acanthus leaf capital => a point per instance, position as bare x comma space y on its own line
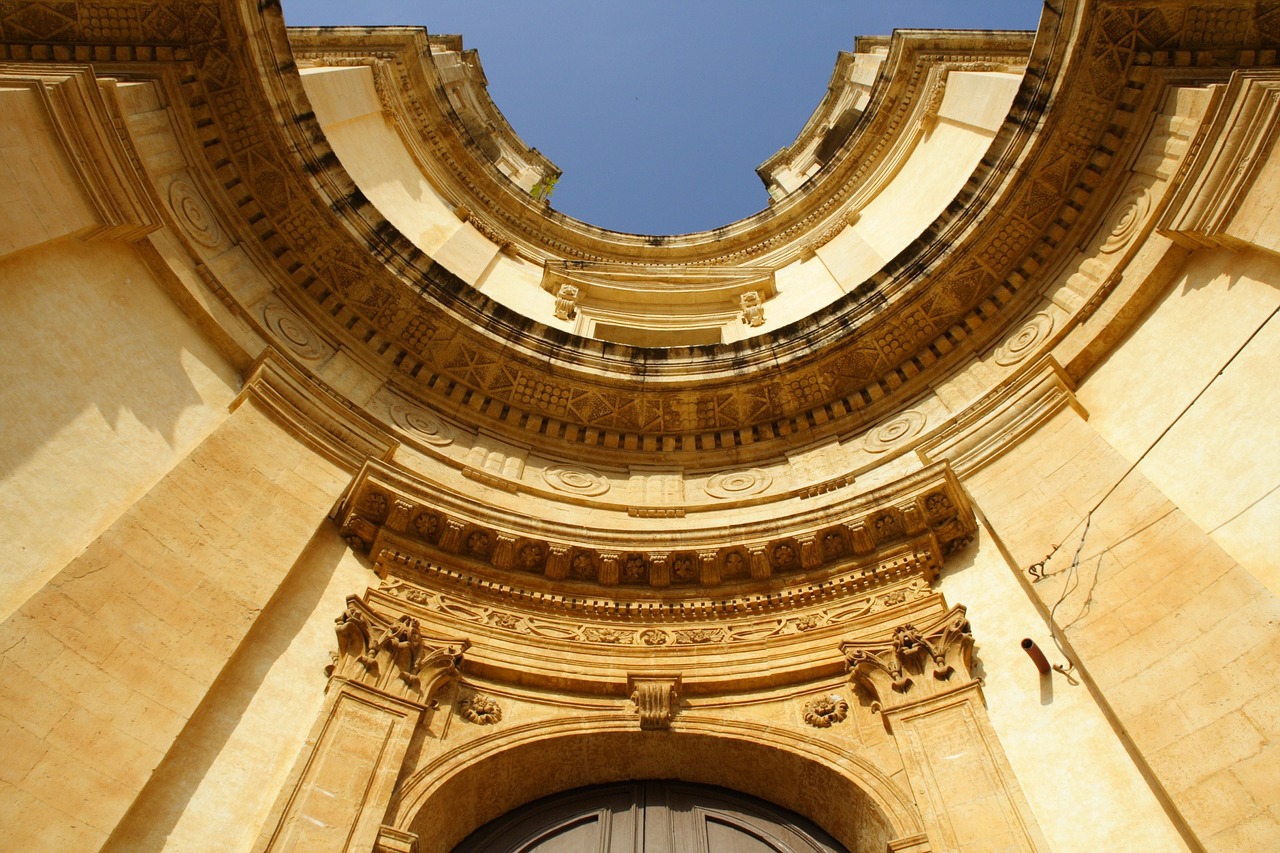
916, 662
391, 654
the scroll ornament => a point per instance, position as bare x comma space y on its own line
391, 656
915, 664
655, 700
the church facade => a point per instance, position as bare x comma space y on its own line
357, 498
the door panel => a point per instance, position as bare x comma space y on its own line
650, 817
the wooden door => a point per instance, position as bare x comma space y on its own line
650, 817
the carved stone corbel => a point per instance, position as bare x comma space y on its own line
752, 308
922, 680
567, 302
655, 699
380, 685
392, 840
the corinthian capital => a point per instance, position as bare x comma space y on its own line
390, 654
916, 662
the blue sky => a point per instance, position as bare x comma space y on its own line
658, 112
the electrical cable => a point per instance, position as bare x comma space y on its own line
1036, 570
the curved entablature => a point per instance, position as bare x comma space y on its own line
349, 282
832, 120
667, 407
916, 519
465, 84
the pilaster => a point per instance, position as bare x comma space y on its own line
380, 687
922, 683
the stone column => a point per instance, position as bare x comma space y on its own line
922, 684
380, 684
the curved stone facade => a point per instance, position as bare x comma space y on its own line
358, 497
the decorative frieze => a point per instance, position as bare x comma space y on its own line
718, 621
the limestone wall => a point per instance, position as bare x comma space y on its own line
106, 665
219, 439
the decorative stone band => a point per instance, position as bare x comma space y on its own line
391, 655
916, 662
926, 512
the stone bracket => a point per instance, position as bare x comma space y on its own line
655, 698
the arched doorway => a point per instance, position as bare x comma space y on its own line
655, 816
462, 789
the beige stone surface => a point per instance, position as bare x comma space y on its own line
1047, 724
304, 368
1152, 595
109, 661
105, 387
247, 732
42, 198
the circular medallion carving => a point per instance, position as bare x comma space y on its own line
194, 215
422, 424
481, 710
576, 481
292, 330
654, 637
824, 712
1132, 213
902, 428
738, 484
1026, 341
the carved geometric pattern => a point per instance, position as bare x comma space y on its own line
1116, 37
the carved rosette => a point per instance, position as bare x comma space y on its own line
826, 711
391, 655
916, 663
481, 710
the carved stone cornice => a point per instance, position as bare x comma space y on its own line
391, 656
916, 663
316, 415
86, 120
997, 421
925, 514
1228, 152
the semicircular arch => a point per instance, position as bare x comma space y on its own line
465, 788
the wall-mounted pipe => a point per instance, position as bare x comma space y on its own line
1037, 657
